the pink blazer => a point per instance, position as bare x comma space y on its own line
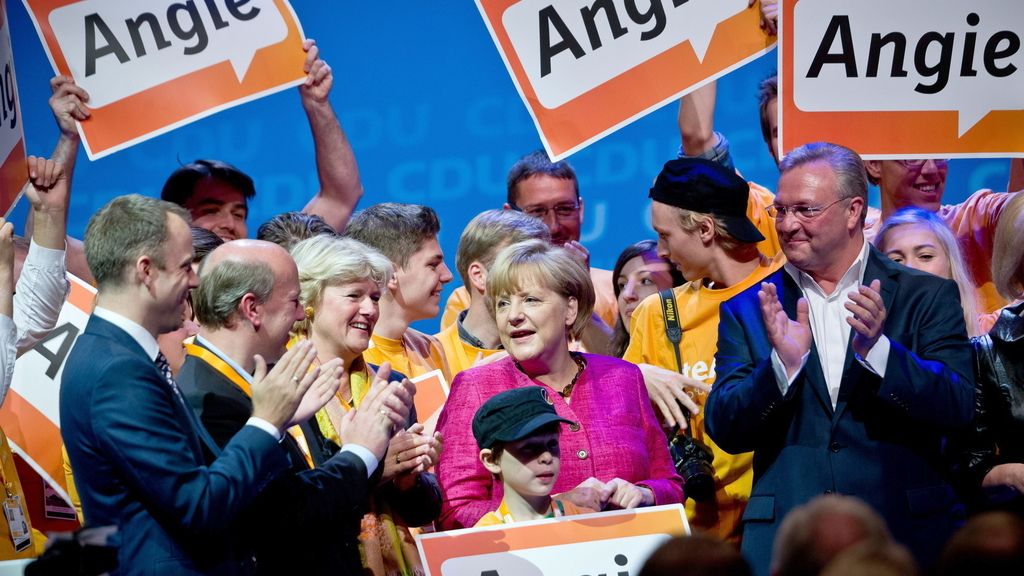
617, 436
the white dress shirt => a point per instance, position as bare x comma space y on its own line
38, 299
831, 332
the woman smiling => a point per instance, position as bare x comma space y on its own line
615, 455
341, 283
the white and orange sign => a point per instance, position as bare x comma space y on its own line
912, 78
30, 415
613, 542
431, 394
150, 66
12, 135
586, 68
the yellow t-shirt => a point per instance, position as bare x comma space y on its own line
457, 353
758, 202
558, 509
605, 304
698, 317
36, 542
414, 355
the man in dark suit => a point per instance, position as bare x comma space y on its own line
857, 395
246, 303
141, 460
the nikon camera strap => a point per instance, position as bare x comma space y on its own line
671, 313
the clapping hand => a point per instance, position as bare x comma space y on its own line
790, 339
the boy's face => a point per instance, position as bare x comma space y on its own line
529, 466
420, 281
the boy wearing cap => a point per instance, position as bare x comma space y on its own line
517, 432
716, 231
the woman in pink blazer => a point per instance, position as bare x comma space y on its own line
615, 455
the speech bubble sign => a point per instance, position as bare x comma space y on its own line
12, 133
610, 542
123, 48
151, 66
585, 68
885, 56
598, 557
633, 31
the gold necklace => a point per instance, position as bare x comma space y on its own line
564, 392
580, 365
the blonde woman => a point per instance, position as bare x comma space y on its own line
614, 455
994, 459
341, 282
920, 240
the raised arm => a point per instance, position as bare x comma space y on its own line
340, 187
43, 284
68, 104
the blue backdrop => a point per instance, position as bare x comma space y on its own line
434, 119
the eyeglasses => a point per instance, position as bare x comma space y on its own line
803, 213
919, 163
561, 211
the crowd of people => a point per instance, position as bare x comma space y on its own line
828, 387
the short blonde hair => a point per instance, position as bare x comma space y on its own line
325, 261
489, 232
1008, 250
690, 221
553, 267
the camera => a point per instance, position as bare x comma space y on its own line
693, 463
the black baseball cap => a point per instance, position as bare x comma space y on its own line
707, 187
513, 415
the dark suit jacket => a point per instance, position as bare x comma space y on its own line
327, 502
142, 462
883, 443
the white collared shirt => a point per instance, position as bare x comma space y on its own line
38, 298
146, 340
828, 314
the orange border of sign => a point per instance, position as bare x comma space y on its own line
879, 135
13, 174
162, 108
31, 433
436, 548
635, 93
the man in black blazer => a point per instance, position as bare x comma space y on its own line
858, 394
141, 459
246, 303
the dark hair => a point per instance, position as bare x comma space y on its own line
767, 91
538, 163
396, 230
620, 337
696, 555
289, 228
203, 242
989, 543
181, 184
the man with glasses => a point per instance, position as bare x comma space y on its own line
550, 192
921, 183
844, 372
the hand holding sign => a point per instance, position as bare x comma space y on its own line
68, 104
319, 77
130, 56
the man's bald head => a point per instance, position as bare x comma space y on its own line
233, 270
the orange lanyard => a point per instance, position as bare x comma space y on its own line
225, 369
221, 366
